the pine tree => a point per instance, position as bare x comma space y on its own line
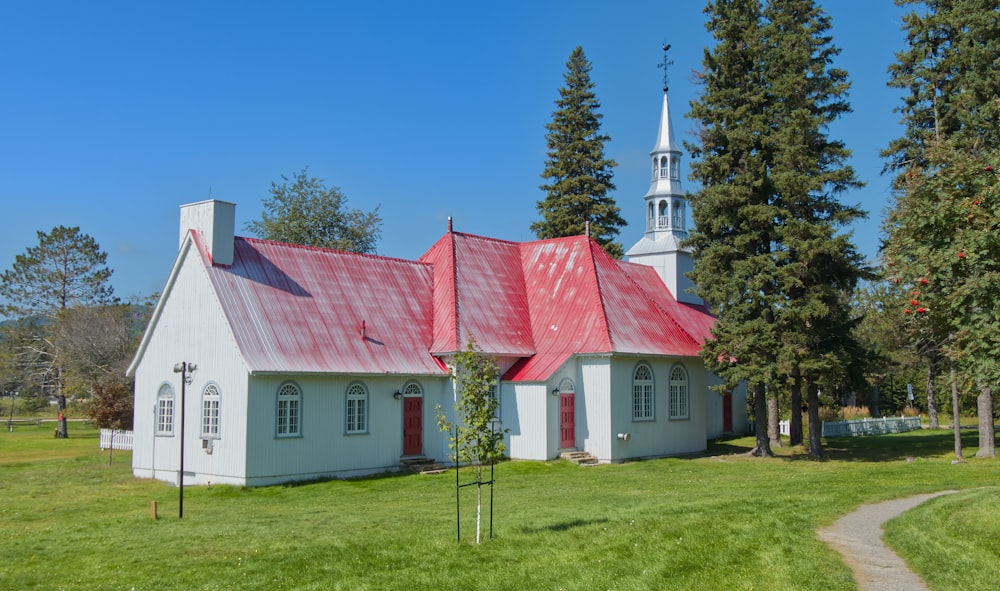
579, 174
770, 256
941, 166
66, 269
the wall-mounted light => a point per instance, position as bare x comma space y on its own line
397, 394
555, 391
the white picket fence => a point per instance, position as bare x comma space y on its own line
859, 427
116, 439
870, 426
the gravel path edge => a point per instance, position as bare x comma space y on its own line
857, 536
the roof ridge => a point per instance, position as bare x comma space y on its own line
292, 245
591, 244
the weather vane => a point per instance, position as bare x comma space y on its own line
666, 63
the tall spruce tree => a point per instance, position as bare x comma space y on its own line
578, 172
940, 228
771, 258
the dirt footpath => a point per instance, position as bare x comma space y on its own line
858, 538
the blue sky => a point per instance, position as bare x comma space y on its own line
113, 114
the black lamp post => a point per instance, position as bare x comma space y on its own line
185, 369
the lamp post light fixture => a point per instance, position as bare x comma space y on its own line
185, 369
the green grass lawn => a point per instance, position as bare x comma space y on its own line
68, 520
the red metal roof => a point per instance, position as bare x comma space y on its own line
301, 309
479, 294
583, 301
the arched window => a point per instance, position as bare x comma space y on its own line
165, 410
650, 218
664, 171
413, 389
661, 220
357, 408
210, 412
289, 410
679, 406
678, 223
642, 393
675, 168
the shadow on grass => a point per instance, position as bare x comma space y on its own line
925, 443
564, 526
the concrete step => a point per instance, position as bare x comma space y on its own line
421, 465
580, 458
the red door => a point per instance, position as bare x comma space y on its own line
727, 412
413, 425
567, 421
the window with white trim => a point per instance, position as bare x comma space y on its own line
210, 412
642, 393
413, 389
165, 410
357, 408
289, 410
679, 398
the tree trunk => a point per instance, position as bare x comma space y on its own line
763, 446
815, 427
987, 438
956, 423
479, 500
795, 425
932, 415
773, 421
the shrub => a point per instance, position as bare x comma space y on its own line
853, 413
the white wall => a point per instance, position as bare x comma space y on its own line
324, 448
595, 411
662, 436
528, 412
192, 328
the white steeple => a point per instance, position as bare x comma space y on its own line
665, 206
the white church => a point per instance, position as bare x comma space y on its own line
314, 363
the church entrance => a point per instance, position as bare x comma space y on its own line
567, 420
413, 425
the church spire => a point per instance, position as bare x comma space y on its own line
665, 205
665, 199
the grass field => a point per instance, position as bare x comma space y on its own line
68, 520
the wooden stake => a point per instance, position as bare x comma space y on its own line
152, 510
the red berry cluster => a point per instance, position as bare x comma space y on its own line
915, 303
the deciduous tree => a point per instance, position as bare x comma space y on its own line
475, 437
943, 167
578, 172
303, 210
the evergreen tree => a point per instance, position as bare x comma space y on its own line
941, 168
770, 256
66, 269
578, 172
303, 210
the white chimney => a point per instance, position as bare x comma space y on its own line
215, 221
